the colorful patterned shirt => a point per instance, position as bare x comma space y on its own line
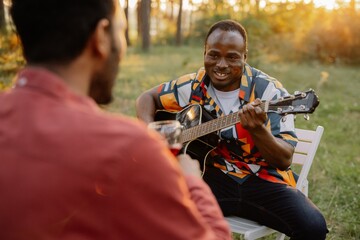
236, 155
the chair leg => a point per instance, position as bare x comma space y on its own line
280, 236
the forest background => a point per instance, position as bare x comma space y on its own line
302, 43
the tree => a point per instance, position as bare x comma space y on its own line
157, 16
257, 7
138, 15
127, 19
179, 24
171, 10
145, 8
2, 16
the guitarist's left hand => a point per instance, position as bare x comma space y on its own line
252, 116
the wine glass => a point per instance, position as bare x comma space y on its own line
171, 131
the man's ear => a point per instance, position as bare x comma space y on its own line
245, 55
100, 41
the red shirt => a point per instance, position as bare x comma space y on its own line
70, 171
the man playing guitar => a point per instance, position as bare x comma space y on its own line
248, 169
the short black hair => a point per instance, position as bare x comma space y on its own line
57, 30
229, 26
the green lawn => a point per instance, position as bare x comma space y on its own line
335, 174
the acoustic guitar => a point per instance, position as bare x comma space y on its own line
200, 128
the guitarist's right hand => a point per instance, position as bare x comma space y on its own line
188, 165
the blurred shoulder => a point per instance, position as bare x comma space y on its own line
121, 124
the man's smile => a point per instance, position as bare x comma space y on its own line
220, 75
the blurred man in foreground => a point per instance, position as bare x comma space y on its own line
70, 171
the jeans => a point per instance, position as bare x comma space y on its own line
277, 206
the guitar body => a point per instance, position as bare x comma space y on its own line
189, 117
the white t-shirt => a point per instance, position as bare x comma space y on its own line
227, 101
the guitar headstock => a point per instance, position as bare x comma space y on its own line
300, 102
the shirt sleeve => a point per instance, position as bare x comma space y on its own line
208, 207
176, 93
170, 205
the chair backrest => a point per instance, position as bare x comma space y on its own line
305, 152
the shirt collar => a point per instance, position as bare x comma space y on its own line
246, 84
41, 79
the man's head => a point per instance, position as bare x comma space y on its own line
57, 32
225, 54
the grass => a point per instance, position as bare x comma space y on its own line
140, 71
335, 174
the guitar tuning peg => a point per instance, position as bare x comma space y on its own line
307, 117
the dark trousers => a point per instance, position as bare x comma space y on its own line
277, 206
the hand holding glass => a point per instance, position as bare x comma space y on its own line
171, 131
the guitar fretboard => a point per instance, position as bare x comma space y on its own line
214, 125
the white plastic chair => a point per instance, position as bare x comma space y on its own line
304, 154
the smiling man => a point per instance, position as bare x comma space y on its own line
248, 168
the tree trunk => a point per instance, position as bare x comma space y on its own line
2, 16
126, 9
190, 16
138, 15
157, 14
171, 10
145, 23
179, 25
257, 7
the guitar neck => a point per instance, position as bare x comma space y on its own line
300, 102
214, 125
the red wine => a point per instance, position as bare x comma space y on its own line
175, 151
175, 148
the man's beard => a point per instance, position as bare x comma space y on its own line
102, 83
